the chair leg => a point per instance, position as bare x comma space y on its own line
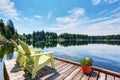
21, 61
52, 63
33, 75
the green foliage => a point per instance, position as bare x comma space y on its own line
7, 49
8, 31
22, 37
73, 36
41, 36
86, 61
10, 26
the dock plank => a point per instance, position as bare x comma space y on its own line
58, 68
64, 70
68, 72
58, 73
78, 76
85, 77
117, 78
73, 74
109, 77
94, 75
102, 76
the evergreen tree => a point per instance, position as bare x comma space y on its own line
2, 27
10, 25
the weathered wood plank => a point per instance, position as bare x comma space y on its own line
85, 77
117, 78
94, 75
78, 76
109, 77
102, 76
58, 73
58, 68
106, 71
65, 70
57, 62
60, 65
66, 73
11, 68
73, 74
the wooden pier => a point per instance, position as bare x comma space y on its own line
64, 70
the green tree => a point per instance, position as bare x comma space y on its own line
10, 25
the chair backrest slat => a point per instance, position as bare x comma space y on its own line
15, 44
25, 47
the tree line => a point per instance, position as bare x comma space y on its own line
40, 36
49, 36
7, 30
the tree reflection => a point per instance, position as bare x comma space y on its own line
48, 44
6, 49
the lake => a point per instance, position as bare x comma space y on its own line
105, 54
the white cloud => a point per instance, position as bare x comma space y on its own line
77, 22
115, 10
75, 14
102, 12
95, 2
7, 7
68, 23
28, 24
111, 1
38, 16
49, 15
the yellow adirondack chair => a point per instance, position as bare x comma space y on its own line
15, 45
18, 60
35, 62
19, 55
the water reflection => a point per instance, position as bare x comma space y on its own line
68, 43
105, 54
6, 49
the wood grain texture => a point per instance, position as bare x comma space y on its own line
109, 77
64, 70
102, 76
94, 75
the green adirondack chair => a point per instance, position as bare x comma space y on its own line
29, 50
18, 60
35, 62
15, 45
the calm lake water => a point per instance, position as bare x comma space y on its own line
105, 54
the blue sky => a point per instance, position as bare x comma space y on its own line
92, 17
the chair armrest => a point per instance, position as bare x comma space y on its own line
45, 53
36, 50
48, 53
35, 55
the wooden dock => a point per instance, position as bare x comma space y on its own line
64, 70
